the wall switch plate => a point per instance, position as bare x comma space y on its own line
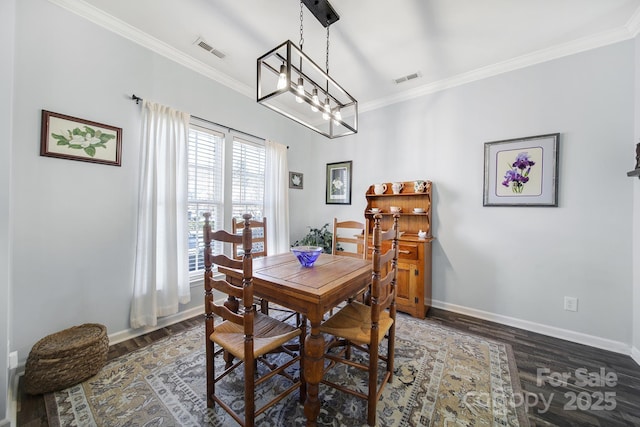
571, 303
13, 360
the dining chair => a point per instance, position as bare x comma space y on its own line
258, 249
247, 334
364, 327
349, 239
258, 236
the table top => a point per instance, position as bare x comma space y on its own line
309, 290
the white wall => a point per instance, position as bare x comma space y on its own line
7, 15
636, 215
75, 222
517, 262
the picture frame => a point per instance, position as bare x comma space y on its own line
338, 183
522, 171
73, 138
296, 180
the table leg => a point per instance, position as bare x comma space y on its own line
313, 367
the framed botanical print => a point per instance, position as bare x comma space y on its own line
296, 180
338, 184
522, 171
73, 138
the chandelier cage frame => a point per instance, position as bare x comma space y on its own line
283, 68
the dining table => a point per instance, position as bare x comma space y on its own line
312, 292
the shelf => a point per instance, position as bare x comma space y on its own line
424, 193
635, 172
401, 213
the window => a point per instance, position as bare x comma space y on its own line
247, 184
226, 178
248, 178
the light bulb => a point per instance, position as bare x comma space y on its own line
337, 117
282, 80
315, 100
327, 109
300, 90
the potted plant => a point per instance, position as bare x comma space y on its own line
317, 237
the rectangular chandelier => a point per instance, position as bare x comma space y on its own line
290, 83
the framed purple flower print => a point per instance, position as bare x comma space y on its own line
522, 171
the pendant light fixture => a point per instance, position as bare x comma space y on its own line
292, 84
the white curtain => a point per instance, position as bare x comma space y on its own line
276, 198
161, 279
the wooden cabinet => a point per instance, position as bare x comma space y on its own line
414, 259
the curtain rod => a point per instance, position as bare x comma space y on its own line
138, 99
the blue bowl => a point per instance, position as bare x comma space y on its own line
307, 255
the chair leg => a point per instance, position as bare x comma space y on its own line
264, 306
228, 358
302, 321
373, 384
210, 362
391, 348
249, 392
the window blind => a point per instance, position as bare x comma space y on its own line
247, 180
205, 189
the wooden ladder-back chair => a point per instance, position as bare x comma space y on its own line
258, 237
365, 326
248, 335
258, 249
350, 240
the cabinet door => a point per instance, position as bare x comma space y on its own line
406, 288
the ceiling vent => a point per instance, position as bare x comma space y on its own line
206, 46
407, 77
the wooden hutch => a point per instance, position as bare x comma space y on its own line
414, 259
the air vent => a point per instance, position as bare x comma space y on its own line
206, 46
407, 78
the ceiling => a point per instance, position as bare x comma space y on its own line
375, 42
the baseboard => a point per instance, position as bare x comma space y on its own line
162, 322
565, 334
635, 354
12, 399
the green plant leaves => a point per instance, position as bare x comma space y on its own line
87, 140
317, 237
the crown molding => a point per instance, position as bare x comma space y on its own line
111, 23
538, 57
633, 25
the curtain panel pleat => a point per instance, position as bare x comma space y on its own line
276, 197
161, 278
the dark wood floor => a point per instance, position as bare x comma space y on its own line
576, 399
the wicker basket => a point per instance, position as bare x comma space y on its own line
65, 358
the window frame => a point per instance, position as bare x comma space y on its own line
229, 137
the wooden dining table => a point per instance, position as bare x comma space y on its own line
311, 291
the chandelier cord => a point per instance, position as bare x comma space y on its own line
301, 27
327, 49
328, 60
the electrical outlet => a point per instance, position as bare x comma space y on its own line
13, 360
571, 303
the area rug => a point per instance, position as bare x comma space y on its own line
442, 378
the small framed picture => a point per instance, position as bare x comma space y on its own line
72, 138
338, 185
522, 171
296, 180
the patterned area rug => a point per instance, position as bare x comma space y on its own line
442, 378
